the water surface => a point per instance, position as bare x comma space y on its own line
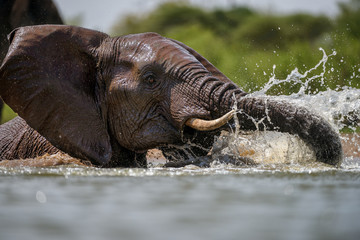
222, 202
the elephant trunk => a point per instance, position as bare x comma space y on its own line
269, 114
255, 113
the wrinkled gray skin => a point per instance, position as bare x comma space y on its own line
16, 13
109, 100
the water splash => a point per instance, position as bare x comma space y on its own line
341, 108
295, 77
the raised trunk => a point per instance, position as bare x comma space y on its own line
266, 113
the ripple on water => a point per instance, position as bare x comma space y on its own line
216, 168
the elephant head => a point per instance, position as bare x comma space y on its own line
104, 99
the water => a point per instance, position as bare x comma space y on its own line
78, 203
287, 195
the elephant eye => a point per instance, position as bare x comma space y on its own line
150, 78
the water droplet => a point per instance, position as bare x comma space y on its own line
41, 197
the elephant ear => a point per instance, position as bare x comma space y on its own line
49, 78
211, 68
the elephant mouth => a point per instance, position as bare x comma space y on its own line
209, 125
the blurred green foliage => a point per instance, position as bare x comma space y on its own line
245, 44
7, 114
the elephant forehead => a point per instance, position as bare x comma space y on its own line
150, 47
163, 53
140, 53
171, 53
166, 49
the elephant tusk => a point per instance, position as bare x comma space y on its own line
208, 125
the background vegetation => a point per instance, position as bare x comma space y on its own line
246, 44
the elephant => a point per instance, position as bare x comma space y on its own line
16, 13
108, 100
